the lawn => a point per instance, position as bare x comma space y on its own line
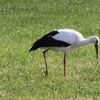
22, 22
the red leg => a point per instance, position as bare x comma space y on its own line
65, 64
46, 72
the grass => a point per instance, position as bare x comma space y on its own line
22, 73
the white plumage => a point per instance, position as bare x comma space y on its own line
64, 40
69, 36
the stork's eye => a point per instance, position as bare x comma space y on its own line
96, 41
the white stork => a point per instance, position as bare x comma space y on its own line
63, 40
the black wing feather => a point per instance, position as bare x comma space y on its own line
48, 41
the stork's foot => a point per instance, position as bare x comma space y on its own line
46, 73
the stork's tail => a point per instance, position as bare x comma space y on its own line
36, 45
32, 48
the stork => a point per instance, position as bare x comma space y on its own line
64, 40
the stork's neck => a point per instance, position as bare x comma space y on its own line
86, 41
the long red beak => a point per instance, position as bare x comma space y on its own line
96, 48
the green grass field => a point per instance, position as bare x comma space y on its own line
22, 73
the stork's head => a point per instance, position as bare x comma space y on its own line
95, 40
